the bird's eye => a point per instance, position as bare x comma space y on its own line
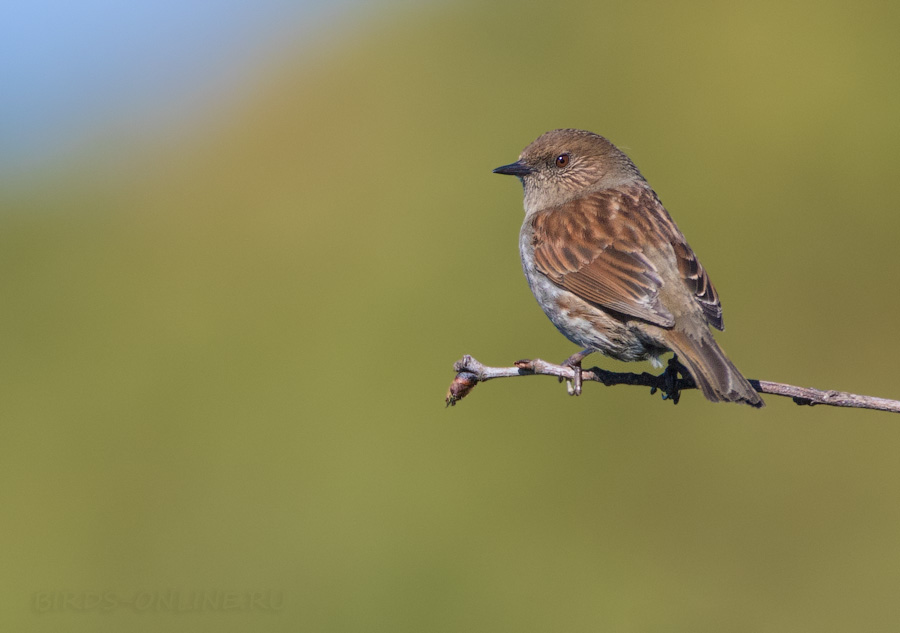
562, 160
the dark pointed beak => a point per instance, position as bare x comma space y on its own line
517, 168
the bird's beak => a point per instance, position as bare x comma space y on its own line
517, 168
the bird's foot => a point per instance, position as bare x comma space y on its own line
573, 385
671, 390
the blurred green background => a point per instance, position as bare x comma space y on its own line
226, 348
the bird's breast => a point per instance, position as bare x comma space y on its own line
581, 322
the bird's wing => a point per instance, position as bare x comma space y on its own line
594, 247
696, 279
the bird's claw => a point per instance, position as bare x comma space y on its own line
671, 390
573, 384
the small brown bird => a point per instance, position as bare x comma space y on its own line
610, 268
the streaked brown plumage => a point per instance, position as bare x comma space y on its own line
610, 268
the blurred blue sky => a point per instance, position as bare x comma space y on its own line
67, 68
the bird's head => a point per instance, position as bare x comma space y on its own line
564, 164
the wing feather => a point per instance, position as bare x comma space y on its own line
593, 247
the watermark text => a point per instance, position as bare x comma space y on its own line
161, 601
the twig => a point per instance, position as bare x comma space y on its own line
469, 372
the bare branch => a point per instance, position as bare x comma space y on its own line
469, 372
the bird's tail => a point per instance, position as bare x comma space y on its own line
715, 375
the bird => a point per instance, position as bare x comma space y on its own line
610, 268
